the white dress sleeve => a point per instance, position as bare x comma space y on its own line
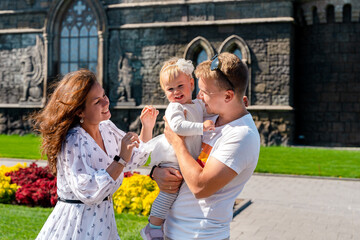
89, 185
139, 155
175, 116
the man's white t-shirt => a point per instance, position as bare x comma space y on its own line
237, 145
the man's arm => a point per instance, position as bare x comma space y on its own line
203, 182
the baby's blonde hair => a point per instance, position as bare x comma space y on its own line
173, 68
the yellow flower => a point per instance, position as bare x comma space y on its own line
7, 190
135, 195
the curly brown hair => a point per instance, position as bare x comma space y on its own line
61, 112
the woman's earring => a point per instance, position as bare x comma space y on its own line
81, 120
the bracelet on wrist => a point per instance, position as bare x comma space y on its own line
152, 171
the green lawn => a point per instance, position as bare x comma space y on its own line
309, 161
15, 146
283, 160
21, 223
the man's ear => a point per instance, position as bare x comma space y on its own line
246, 101
229, 95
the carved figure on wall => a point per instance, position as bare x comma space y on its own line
125, 74
32, 72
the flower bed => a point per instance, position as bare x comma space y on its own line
36, 186
135, 195
8, 189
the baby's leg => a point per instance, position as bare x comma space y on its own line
160, 207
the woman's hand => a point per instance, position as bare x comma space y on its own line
168, 179
148, 116
128, 142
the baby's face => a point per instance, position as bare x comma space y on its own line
180, 89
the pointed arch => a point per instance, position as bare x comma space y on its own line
196, 51
52, 35
238, 46
233, 43
196, 46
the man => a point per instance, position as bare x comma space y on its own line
203, 209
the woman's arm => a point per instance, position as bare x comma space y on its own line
128, 142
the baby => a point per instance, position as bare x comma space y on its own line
185, 117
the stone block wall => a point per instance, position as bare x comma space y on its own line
328, 84
276, 127
270, 48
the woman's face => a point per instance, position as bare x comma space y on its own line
96, 106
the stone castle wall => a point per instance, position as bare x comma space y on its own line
328, 76
297, 61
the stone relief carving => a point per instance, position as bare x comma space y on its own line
21, 75
125, 75
120, 74
32, 72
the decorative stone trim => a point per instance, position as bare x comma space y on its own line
270, 108
254, 107
204, 23
14, 12
139, 107
167, 3
21, 30
17, 105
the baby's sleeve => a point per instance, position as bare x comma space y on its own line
176, 118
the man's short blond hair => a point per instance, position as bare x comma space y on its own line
232, 67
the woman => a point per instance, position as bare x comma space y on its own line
89, 155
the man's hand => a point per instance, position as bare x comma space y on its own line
171, 136
168, 179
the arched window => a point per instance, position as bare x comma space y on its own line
315, 15
198, 50
236, 45
330, 14
201, 57
78, 38
237, 52
347, 13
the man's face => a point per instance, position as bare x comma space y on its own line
211, 95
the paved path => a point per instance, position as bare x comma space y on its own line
292, 208
287, 208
